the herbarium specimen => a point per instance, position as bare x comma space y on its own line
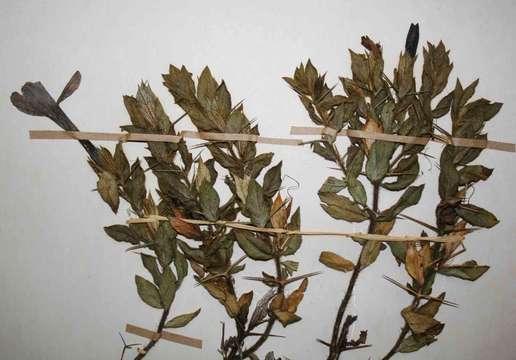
187, 222
375, 103
190, 217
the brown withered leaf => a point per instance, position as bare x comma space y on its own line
370, 45
244, 302
419, 323
107, 186
294, 299
286, 318
277, 302
280, 212
335, 261
71, 86
431, 307
370, 253
414, 264
188, 230
414, 343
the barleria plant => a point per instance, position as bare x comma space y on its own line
210, 108
186, 191
219, 204
375, 103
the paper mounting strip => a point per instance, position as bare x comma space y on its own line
165, 335
358, 235
474, 143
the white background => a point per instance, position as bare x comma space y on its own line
66, 289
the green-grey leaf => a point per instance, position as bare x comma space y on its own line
332, 185
165, 243
408, 168
123, 233
409, 198
357, 191
272, 180
377, 164
182, 320
150, 263
294, 241
448, 176
342, 208
470, 270
254, 247
473, 173
181, 266
107, 187
477, 216
148, 292
354, 161
255, 204
258, 164
167, 287
210, 201
324, 151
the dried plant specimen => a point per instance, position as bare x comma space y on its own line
190, 222
186, 191
375, 103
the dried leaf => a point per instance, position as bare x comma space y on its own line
254, 247
407, 172
272, 180
342, 208
167, 287
148, 292
255, 204
188, 230
470, 270
293, 242
477, 216
71, 86
418, 323
182, 320
414, 264
473, 173
335, 261
370, 253
209, 201
409, 198
357, 191
286, 318
123, 233
377, 164
431, 307
279, 213
150, 263
107, 186
413, 343
332, 185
